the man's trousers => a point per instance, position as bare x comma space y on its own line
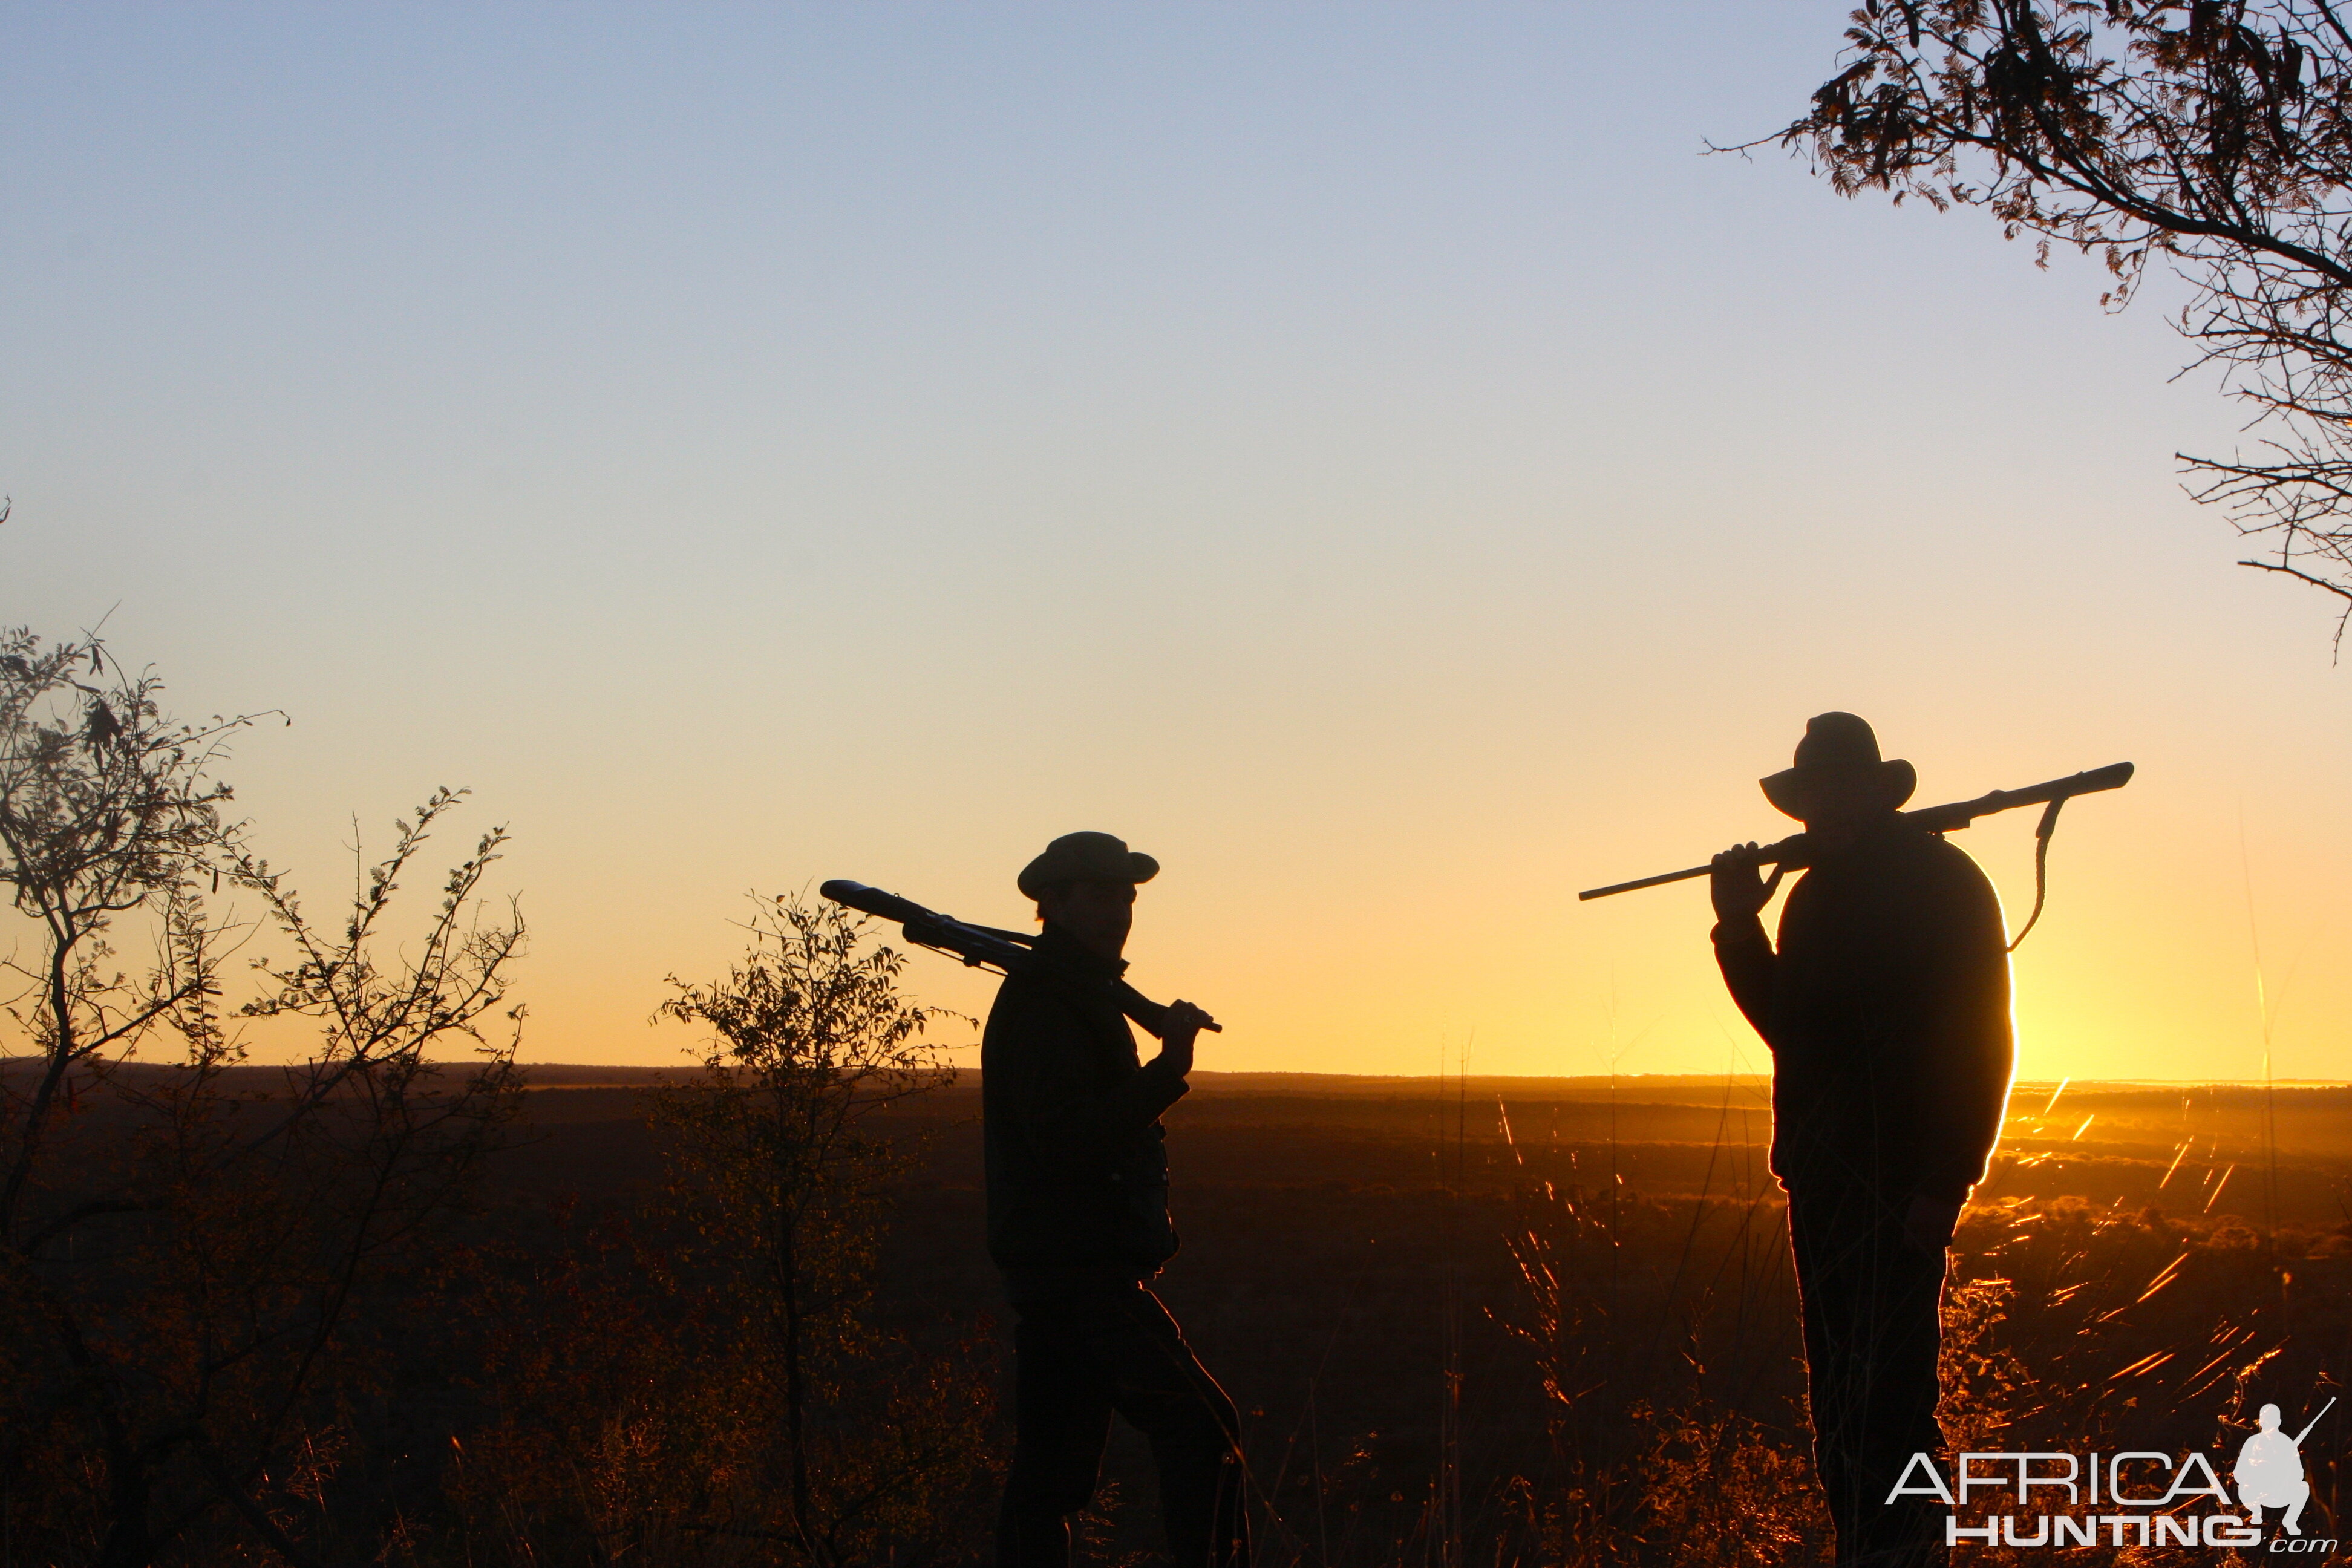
1872, 1333
1078, 1358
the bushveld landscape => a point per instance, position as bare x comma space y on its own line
389, 1295
1371, 455
1474, 1321
1553, 1321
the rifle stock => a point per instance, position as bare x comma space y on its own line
1794, 852
1006, 951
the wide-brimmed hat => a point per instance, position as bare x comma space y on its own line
1837, 745
1086, 857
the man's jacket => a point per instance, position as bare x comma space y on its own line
1078, 1166
1887, 1007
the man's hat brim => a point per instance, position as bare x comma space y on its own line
1086, 857
1791, 789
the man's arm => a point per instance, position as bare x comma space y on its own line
1741, 949
1039, 1047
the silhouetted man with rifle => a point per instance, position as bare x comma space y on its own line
1887, 1007
1078, 1221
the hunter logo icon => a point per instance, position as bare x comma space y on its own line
2270, 1469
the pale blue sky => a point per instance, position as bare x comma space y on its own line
1365, 455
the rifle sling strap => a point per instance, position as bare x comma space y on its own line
2042, 832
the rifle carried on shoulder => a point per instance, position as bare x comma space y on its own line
979, 946
1796, 851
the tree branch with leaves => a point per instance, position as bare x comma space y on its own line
2214, 138
194, 1248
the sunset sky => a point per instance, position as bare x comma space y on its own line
1365, 456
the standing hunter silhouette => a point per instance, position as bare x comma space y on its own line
1078, 1222
1885, 1004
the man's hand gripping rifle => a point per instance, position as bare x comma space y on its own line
979, 946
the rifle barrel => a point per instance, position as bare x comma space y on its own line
977, 946
1794, 851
